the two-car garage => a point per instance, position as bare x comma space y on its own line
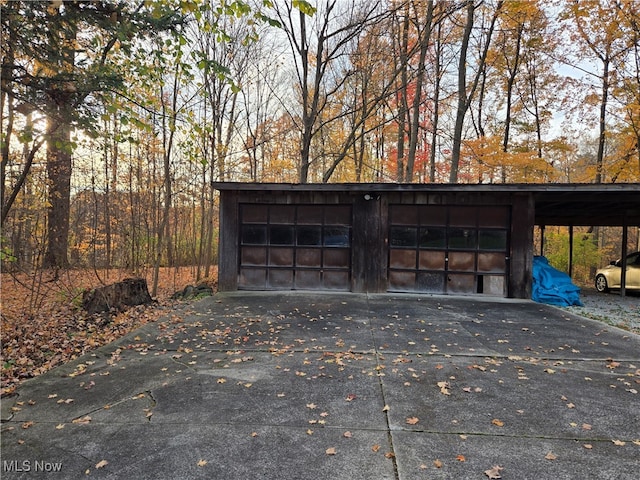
433, 238
367, 238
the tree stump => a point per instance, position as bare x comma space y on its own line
128, 292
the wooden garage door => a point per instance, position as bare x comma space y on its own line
448, 249
290, 247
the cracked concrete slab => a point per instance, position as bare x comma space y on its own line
342, 386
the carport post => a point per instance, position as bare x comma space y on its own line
541, 240
623, 272
570, 250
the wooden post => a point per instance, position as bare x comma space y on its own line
571, 250
521, 255
229, 244
623, 273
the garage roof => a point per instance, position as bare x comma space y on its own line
577, 204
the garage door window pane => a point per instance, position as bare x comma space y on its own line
281, 235
493, 240
403, 237
433, 237
309, 235
336, 236
254, 235
462, 238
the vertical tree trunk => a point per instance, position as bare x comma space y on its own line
436, 104
425, 39
59, 201
464, 97
462, 94
603, 126
403, 102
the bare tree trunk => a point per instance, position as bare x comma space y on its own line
463, 104
403, 107
464, 97
436, 104
425, 39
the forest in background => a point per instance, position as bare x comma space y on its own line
118, 116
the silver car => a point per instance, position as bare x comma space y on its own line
609, 276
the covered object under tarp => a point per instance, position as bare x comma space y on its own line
551, 286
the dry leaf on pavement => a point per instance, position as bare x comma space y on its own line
494, 472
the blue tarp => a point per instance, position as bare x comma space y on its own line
552, 286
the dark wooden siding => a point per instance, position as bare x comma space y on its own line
371, 226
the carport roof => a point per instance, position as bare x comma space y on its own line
577, 204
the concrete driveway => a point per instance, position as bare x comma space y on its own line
339, 386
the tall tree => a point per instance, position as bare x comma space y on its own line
601, 29
466, 91
318, 39
62, 64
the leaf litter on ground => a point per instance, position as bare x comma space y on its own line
43, 325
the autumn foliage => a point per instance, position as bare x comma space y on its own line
44, 326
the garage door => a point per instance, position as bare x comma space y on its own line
289, 247
448, 249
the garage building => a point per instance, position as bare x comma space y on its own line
417, 238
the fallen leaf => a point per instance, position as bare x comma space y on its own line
311, 406
494, 472
26, 425
386, 408
83, 420
102, 463
588, 446
497, 423
619, 443
331, 451
202, 463
375, 448
60, 426
551, 456
444, 388
350, 397
347, 435
437, 463
461, 458
412, 420
389, 455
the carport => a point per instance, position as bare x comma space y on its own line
588, 205
472, 239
